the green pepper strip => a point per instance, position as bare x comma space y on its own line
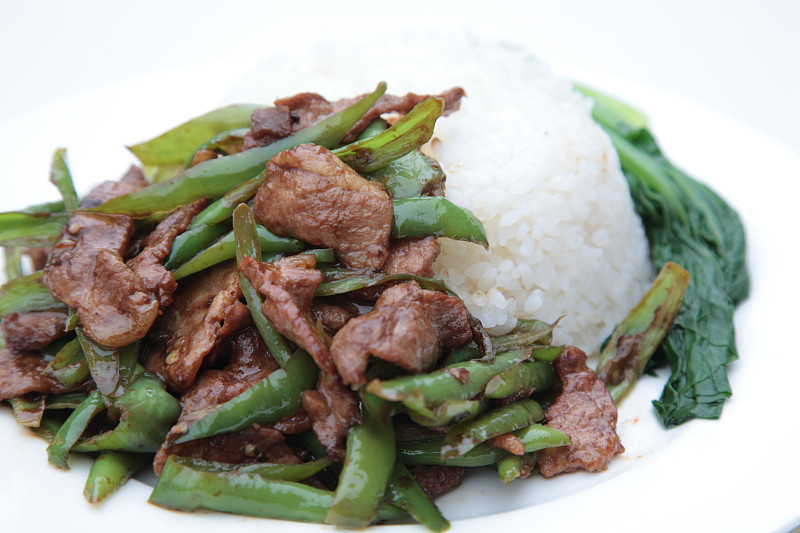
27, 293
215, 177
269, 400
112, 369
173, 147
72, 428
407, 134
439, 386
411, 175
183, 487
68, 400
630, 347
69, 366
367, 467
222, 208
28, 412
422, 216
12, 257
447, 413
225, 248
284, 472
404, 492
109, 472
192, 241
148, 411
48, 428
514, 467
525, 335
30, 229
62, 179
535, 437
247, 244
528, 376
225, 143
464, 436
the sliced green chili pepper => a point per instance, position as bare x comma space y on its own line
222, 208
535, 437
28, 411
225, 248
527, 376
30, 229
407, 134
285, 472
360, 280
109, 472
27, 293
69, 366
464, 436
191, 242
514, 467
528, 334
225, 143
215, 177
62, 179
68, 400
411, 175
112, 369
247, 244
72, 429
173, 147
441, 385
634, 341
447, 413
47, 207
375, 127
323, 255
269, 400
48, 428
404, 492
147, 410
423, 216
367, 468
12, 259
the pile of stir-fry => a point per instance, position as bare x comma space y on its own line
254, 314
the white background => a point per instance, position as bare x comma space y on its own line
738, 58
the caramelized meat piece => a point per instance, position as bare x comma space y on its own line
248, 363
438, 480
332, 317
86, 271
23, 372
267, 125
587, 414
205, 309
33, 330
412, 256
407, 327
254, 444
333, 410
289, 285
148, 265
132, 180
310, 194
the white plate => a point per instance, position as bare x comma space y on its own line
736, 474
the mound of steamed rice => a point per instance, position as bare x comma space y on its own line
524, 155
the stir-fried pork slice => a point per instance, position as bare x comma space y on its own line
33, 330
148, 264
254, 444
584, 411
333, 410
205, 309
268, 125
311, 195
86, 271
407, 327
412, 256
438, 480
23, 372
333, 317
132, 180
288, 286
248, 363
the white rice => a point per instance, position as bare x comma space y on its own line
524, 155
